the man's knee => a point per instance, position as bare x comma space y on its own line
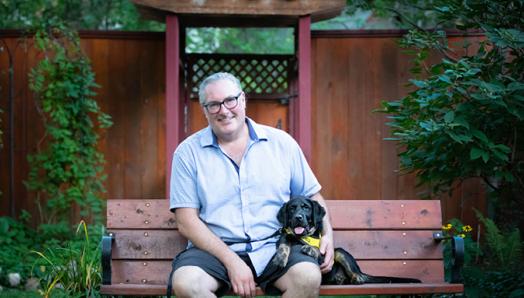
192, 281
304, 277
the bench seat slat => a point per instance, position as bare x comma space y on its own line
165, 244
353, 214
367, 289
156, 272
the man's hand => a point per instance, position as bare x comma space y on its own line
327, 247
241, 278
328, 251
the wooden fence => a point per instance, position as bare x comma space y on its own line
352, 73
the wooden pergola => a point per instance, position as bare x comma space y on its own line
298, 14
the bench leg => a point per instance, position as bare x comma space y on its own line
107, 243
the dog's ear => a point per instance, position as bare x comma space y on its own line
282, 215
318, 214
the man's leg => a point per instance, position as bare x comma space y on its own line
301, 280
192, 281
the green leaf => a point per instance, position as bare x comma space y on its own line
475, 153
419, 83
444, 78
449, 117
515, 86
459, 138
479, 135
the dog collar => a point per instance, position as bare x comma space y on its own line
315, 242
309, 240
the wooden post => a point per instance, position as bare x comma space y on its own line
174, 105
301, 108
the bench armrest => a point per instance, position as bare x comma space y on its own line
457, 255
107, 243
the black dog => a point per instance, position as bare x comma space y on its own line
301, 219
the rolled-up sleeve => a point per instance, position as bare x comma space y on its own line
303, 181
183, 190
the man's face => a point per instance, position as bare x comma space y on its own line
226, 122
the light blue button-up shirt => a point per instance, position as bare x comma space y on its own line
240, 203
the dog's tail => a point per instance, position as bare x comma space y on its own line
349, 264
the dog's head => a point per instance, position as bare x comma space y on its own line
302, 216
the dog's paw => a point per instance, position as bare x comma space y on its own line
310, 251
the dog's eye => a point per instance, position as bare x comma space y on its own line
305, 206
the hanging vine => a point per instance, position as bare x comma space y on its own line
67, 168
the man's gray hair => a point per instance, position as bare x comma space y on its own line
213, 78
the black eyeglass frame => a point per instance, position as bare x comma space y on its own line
223, 103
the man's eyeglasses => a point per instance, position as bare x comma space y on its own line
229, 102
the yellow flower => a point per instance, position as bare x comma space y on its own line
462, 235
447, 227
467, 228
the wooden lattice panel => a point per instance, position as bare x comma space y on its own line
262, 76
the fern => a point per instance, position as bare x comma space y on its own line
506, 247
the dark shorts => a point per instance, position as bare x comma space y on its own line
212, 266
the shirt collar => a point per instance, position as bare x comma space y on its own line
256, 133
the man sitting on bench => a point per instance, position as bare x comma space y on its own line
228, 182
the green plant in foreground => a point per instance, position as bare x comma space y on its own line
500, 272
16, 239
72, 269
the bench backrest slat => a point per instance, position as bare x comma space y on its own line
354, 214
370, 245
385, 214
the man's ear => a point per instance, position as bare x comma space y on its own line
318, 214
282, 215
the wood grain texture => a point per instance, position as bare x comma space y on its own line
245, 7
346, 214
150, 244
369, 289
142, 254
140, 214
385, 214
350, 75
156, 271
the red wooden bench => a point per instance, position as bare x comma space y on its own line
389, 237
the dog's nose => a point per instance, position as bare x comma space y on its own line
299, 217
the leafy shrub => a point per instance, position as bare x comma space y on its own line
496, 269
464, 117
16, 240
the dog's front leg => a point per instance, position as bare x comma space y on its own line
281, 257
310, 251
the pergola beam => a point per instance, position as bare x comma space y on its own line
174, 103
